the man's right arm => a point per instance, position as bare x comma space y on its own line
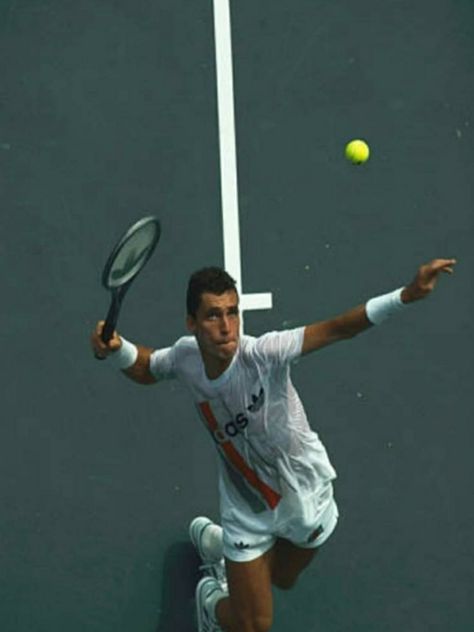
140, 370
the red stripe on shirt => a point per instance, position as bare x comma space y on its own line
271, 496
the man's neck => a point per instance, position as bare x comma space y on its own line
214, 367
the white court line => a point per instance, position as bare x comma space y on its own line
228, 160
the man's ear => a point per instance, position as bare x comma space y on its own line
191, 324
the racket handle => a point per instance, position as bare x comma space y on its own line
105, 336
109, 327
110, 322
112, 317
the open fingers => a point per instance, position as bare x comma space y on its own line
443, 263
447, 265
439, 265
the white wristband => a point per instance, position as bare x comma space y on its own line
382, 307
125, 357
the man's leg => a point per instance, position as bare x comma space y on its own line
289, 561
249, 607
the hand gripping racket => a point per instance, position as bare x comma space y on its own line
126, 260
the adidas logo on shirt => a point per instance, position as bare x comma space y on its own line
257, 401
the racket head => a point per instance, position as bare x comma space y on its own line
131, 253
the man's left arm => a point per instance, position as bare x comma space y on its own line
362, 317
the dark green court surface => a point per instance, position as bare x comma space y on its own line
108, 112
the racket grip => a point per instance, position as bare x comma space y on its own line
108, 330
112, 317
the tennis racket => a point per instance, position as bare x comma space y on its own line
127, 259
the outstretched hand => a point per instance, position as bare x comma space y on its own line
426, 279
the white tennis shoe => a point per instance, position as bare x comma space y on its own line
208, 592
211, 555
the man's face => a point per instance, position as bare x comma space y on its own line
217, 326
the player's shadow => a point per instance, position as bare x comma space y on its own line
180, 577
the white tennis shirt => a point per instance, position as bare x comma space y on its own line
255, 418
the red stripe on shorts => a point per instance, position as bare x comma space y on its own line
270, 495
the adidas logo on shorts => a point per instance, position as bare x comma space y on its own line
241, 545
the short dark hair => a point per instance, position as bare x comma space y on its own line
213, 280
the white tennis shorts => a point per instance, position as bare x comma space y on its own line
306, 521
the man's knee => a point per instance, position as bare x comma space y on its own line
262, 624
284, 583
256, 623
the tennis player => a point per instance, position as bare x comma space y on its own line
277, 503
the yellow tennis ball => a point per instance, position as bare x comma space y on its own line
357, 152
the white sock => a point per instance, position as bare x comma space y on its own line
212, 541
